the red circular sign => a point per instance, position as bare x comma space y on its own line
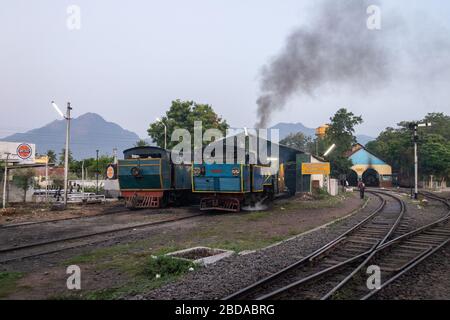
24, 151
110, 172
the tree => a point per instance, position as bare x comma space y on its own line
396, 147
2, 171
141, 143
51, 156
62, 157
341, 132
23, 179
182, 115
57, 181
440, 125
90, 165
434, 154
297, 141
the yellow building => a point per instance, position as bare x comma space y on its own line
373, 171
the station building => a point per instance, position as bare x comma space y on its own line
373, 171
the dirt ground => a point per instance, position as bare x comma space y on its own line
24, 213
115, 268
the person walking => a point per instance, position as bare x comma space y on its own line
362, 188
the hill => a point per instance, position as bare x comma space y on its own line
89, 132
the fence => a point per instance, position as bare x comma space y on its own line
435, 185
41, 196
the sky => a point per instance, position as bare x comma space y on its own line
130, 59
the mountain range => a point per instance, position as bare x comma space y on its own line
90, 132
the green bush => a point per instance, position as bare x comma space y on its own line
8, 282
321, 194
167, 267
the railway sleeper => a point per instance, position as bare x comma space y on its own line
362, 242
367, 239
413, 247
405, 254
361, 245
424, 242
353, 252
439, 233
431, 236
439, 239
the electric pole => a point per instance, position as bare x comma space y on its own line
115, 156
97, 172
66, 160
67, 151
5, 180
414, 126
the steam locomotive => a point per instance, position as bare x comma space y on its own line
148, 178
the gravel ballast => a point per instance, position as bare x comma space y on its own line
234, 273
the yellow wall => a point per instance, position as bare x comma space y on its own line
381, 169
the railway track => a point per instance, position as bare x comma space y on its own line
400, 255
32, 223
347, 279
333, 260
62, 244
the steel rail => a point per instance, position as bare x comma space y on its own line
85, 236
327, 271
31, 223
382, 245
421, 257
372, 253
313, 255
407, 268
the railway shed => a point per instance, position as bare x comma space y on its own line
373, 171
287, 160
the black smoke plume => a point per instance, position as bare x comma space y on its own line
336, 49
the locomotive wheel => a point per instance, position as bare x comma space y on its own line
164, 200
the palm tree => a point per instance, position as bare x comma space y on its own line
51, 156
141, 143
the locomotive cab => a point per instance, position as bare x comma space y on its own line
148, 179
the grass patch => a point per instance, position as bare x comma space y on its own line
8, 282
99, 254
248, 243
166, 267
257, 215
147, 274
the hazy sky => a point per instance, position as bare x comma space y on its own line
131, 58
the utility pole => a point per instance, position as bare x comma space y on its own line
416, 164
5, 180
414, 126
82, 178
97, 173
115, 156
66, 159
46, 180
67, 151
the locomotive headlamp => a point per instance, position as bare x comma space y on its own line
236, 172
135, 172
197, 171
